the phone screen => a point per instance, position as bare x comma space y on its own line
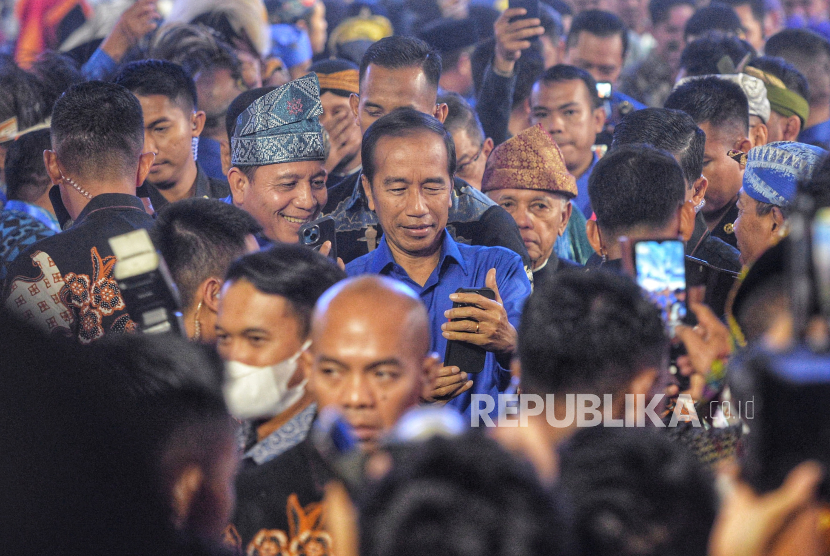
661, 272
604, 90
821, 257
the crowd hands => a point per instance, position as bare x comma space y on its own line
393, 300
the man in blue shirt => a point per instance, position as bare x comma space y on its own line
408, 164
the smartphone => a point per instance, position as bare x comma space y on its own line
316, 233
660, 269
532, 7
820, 252
604, 90
467, 357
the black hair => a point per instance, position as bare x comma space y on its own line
588, 332
757, 7
98, 130
660, 10
599, 23
671, 130
26, 177
636, 186
527, 70
159, 77
195, 48
551, 21
793, 79
240, 104
22, 95
563, 72
636, 492
714, 17
461, 115
718, 102
57, 72
701, 56
398, 52
199, 238
423, 505
171, 390
803, 42
291, 271
403, 122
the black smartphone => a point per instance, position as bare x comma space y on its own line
316, 233
660, 269
467, 357
532, 7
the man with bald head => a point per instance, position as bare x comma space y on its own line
369, 360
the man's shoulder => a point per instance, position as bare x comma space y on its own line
361, 264
618, 98
495, 255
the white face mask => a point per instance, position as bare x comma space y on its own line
262, 392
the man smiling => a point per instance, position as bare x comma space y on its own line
277, 156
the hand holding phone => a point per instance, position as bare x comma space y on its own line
515, 30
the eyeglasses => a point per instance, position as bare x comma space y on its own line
461, 168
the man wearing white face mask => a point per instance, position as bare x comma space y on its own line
261, 328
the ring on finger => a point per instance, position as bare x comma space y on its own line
478, 324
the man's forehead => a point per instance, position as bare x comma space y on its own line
569, 90
588, 43
406, 82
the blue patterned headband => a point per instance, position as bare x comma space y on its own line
282, 126
774, 170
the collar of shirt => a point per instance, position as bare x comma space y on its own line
40, 214
384, 263
110, 201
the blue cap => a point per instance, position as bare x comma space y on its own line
773, 171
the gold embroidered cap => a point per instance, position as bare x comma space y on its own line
529, 160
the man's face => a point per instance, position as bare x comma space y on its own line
169, 133
471, 156
216, 89
602, 57
775, 127
365, 365
383, 89
632, 13
753, 233
724, 173
411, 192
669, 35
565, 111
540, 215
255, 328
753, 28
282, 197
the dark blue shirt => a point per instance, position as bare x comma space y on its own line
582, 200
460, 266
818, 134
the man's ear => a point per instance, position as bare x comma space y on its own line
306, 363
210, 289
700, 186
779, 223
592, 231
487, 148
599, 116
743, 144
354, 104
367, 189
145, 162
185, 487
239, 184
441, 111
225, 156
686, 214
567, 210
50, 160
197, 122
760, 135
792, 127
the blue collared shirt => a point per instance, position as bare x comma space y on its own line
460, 266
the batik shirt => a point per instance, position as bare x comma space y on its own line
64, 283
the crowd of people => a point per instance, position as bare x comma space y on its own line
363, 278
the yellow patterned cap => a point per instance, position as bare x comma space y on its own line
529, 160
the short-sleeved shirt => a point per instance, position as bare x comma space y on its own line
459, 266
